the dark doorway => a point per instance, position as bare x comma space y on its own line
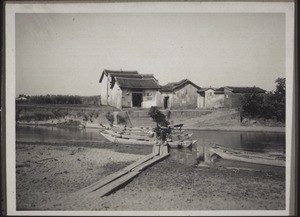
137, 99
166, 102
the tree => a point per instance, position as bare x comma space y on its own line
269, 106
158, 116
252, 104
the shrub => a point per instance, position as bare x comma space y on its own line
121, 119
158, 116
110, 118
269, 106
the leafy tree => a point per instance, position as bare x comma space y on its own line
269, 106
158, 116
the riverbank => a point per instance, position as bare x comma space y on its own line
212, 128
48, 174
96, 116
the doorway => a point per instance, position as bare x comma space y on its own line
166, 102
137, 99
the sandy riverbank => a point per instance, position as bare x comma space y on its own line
47, 175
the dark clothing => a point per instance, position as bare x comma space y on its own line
162, 132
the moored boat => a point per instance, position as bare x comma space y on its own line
249, 157
183, 144
128, 141
129, 135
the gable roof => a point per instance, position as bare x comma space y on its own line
137, 83
117, 73
219, 90
205, 89
170, 87
245, 89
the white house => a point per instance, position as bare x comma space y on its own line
126, 89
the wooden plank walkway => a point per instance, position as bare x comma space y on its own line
114, 181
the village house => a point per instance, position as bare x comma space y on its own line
224, 97
178, 95
126, 89
210, 97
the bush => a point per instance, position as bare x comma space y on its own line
55, 99
158, 116
110, 118
121, 119
269, 106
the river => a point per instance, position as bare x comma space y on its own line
250, 141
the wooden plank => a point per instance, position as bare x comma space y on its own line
104, 181
105, 190
150, 162
137, 163
156, 149
116, 175
163, 150
115, 185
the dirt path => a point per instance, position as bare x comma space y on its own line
48, 175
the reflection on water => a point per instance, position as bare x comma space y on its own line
264, 142
55, 134
250, 141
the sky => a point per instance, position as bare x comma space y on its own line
66, 53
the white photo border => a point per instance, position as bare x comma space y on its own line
12, 8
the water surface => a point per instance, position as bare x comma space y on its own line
251, 141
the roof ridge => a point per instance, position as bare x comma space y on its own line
135, 78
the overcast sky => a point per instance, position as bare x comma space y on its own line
66, 53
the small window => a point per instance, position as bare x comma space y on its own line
226, 96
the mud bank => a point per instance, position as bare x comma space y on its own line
48, 174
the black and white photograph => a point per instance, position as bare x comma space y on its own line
149, 108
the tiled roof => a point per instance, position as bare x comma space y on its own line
219, 90
117, 73
205, 89
137, 83
245, 89
170, 87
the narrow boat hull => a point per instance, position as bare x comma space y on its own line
129, 135
248, 157
181, 144
127, 141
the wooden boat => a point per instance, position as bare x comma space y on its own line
126, 132
176, 126
128, 141
132, 128
128, 138
247, 156
183, 144
181, 137
129, 135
